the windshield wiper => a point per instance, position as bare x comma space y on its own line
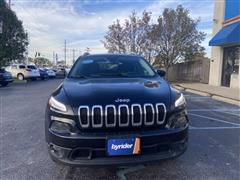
78, 77
122, 75
114, 75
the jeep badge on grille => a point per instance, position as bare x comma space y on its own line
122, 100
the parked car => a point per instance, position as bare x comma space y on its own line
67, 70
5, 77
50, 72
21, 72
115, 110
60, 72
43, 74
34, 70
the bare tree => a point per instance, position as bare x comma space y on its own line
172, 39
146, 45
113, 39
131, 36
176, 37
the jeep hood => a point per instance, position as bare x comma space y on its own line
116, 91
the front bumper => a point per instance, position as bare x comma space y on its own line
51, 74
90, 150
43, 76
32, 75
6, 79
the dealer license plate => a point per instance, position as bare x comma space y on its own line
126, 146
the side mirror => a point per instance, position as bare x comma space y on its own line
161, 73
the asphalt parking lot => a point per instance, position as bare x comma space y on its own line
213, 151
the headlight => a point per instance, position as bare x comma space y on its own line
57, 105
180, 101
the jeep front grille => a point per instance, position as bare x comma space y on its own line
123, 115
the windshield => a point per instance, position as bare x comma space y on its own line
22, 67
31, 67
111, 66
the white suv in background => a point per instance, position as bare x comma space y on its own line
34, 70
21, 71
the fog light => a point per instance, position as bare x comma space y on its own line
60, 127
177, 121
181, 121
57, 151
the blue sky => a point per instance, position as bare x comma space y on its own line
84, 23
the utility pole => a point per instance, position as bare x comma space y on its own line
87, 50
53, 60
9, 4
73, 50
65, 52
1, 25
27, 55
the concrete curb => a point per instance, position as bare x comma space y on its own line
198, 92
179, 88
226, 100
212, 95
19, 82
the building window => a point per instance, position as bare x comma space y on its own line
231, 59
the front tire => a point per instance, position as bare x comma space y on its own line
20, 77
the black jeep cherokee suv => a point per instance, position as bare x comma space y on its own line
115, 109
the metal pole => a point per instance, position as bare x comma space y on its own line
9, 4
73, 55
1, 25
53, 58
56, 59
27, 56
65, 52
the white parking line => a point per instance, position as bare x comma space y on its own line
238, 115
225, 111
212, 128
222, 110
214, 119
